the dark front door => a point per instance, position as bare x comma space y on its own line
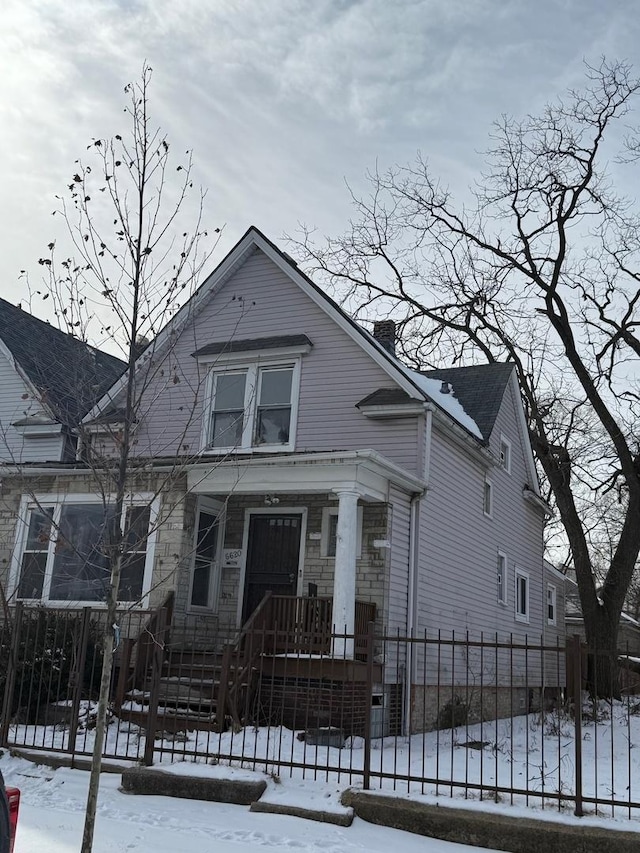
273, 555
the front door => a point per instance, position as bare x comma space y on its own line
273, 557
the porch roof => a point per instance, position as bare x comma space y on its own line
365, 471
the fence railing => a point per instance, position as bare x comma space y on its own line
508, 719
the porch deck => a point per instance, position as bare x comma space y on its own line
285, 644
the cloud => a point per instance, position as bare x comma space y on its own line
281, 101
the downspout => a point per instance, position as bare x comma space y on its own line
414, 565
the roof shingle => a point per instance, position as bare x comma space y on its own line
69, 374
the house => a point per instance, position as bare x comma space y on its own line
284, 454
48, 380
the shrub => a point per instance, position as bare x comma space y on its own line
47, 666
454, 713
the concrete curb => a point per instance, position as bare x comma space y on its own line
78, 762
488, 829
338, 818
146, 780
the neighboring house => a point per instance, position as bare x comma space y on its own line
306, 459
628, 632
48, 382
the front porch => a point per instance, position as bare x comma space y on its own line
296, 525
285, 651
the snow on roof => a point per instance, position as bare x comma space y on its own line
447, 401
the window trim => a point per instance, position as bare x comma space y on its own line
252, 367
502, 572
487, 492
57, 501
327, 513
551, 588
520, 616
505, 463
213, 507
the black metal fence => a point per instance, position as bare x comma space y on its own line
498, 718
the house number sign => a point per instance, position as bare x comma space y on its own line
232, 558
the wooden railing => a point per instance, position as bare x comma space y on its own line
142, 650
306, 624
281, 624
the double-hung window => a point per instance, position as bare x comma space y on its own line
253, 407
505, 454
522, 596
551, 604
227, 411
62, 550
251, 395
487, 498
501, 578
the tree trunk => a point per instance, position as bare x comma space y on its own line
603, 679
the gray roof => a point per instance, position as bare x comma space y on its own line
253, 344
479, 389
386, 397
69, 374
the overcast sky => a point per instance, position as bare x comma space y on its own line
283, 101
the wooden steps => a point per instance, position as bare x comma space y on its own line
187, 692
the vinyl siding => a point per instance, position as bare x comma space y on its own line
459, 544
260, 301
16, 402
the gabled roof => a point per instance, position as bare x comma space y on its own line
417, 386
67, 374
479, 389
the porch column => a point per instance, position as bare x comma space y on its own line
344, 582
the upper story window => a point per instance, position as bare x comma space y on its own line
253, 407
252, 392
61, 554
505, 454
488, 498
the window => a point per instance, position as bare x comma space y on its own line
253, 407
522, 596
330, 529
505, 454
62, 555
206, 558
501, 577
551, 604
488, 498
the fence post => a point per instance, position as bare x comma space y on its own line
222, 698
12, 668
576, 654
366, 770
157, 659
76, 681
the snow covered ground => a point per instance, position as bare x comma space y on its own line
534, 752
52, 812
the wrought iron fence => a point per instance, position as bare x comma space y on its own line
498, 718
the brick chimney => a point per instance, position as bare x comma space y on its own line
384, 331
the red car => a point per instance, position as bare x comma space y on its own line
9, 805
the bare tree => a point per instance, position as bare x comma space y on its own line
130, 267
542, 269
